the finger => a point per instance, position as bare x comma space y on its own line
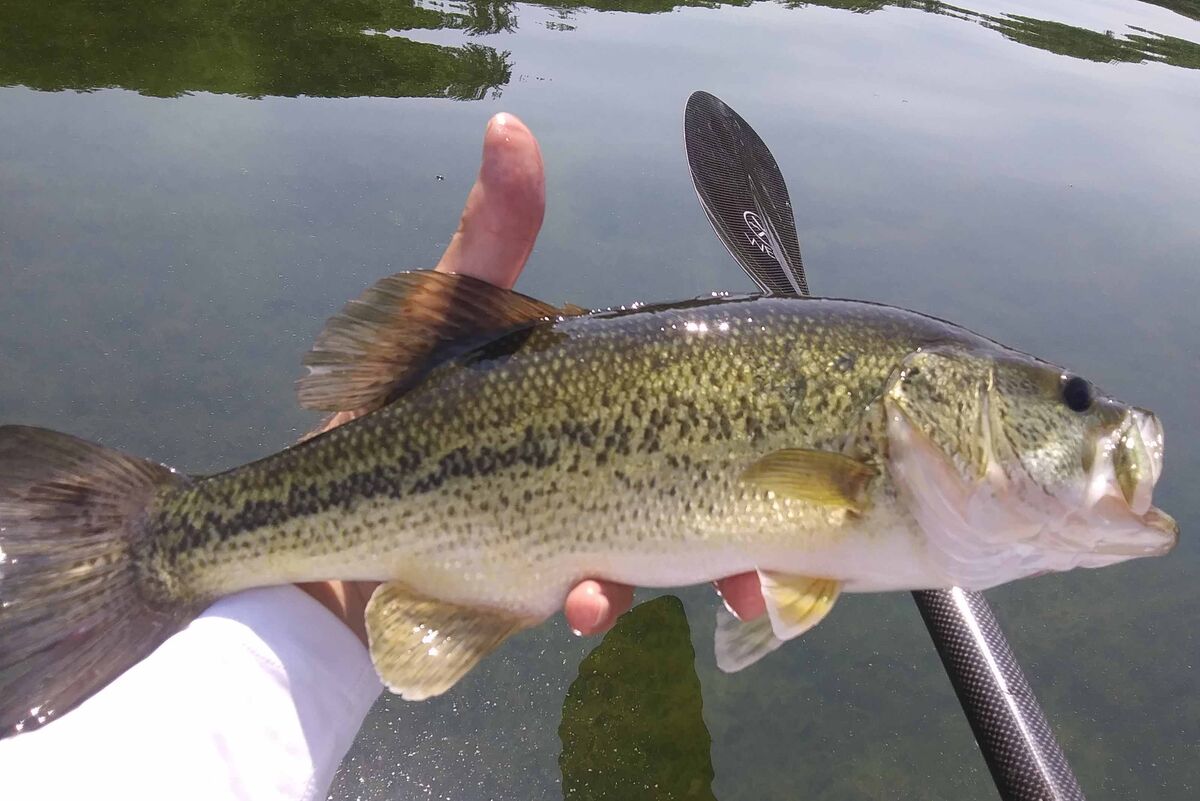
593, 606
742, 595
505, 208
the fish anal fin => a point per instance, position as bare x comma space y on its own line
740, 644
820, 477
379, 343
796, 603
421, 647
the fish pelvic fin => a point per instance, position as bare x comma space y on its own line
825, 478
794, 605
421, 647
381, 343
740, 644
72, 614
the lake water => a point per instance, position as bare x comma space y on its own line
188, 190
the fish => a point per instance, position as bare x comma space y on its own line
511, 448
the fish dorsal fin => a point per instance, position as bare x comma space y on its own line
422, 646
820, 477
379, 343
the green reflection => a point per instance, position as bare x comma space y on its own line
253, 49
631, 722
350, 48
1069, 40
1187, 8
1057, 37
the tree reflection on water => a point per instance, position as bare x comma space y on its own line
339, 49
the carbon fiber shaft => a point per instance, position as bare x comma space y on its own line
1018, 745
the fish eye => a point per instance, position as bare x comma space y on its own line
1077, 393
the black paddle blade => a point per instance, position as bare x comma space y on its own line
743, 193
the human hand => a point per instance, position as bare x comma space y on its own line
495, 236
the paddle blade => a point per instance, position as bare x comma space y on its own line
743, 194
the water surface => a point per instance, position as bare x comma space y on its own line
186, 192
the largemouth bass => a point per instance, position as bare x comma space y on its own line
515, 448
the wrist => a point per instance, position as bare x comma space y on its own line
347, 600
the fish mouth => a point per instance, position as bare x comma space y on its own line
1154, 533
1162, 522
1125, 467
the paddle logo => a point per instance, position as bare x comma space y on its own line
758, 235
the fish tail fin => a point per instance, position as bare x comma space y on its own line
72, 615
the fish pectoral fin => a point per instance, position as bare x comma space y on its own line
380, 343
819, 477
796, 603
421, 647
740, 643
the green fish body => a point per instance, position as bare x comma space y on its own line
513, 450
609, 445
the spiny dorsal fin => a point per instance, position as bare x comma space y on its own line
573, 310
820, 477
399, 328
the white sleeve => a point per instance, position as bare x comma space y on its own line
258, 698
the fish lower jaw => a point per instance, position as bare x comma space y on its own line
1112, 532
1156, 518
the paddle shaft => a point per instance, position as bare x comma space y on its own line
1025, 759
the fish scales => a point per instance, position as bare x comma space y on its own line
545, 452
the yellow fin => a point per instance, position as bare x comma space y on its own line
422, 647
821, 477
740, 643
796, 603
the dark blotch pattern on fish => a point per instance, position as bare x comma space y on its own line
550, 429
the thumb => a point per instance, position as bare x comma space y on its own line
505, 208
